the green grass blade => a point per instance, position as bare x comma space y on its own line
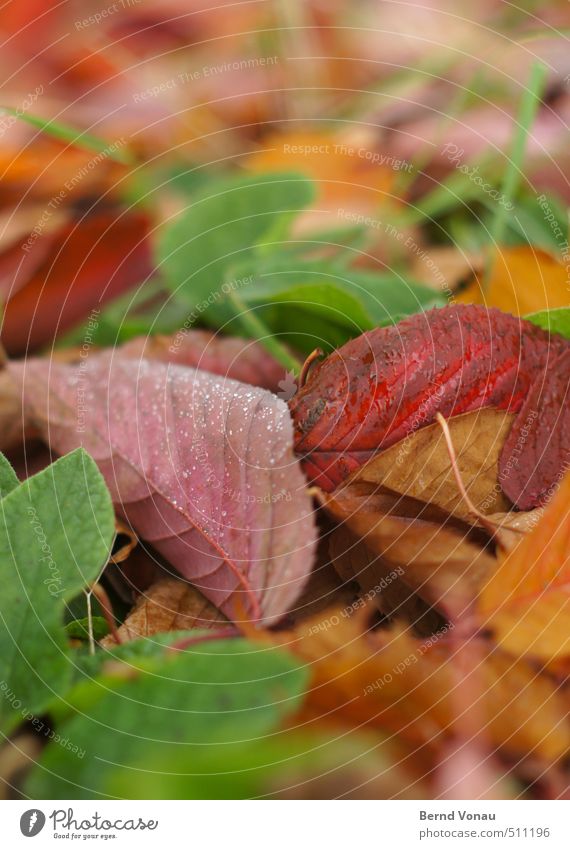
71, 135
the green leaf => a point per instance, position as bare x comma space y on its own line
78, 629
175, 704
316, 304
225, 224
555, 321
8, 479
56, 532
286, 762
71, 135
539, 222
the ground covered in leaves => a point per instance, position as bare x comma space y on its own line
284, 407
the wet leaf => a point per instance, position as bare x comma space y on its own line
419, 465
201, 467
227, 356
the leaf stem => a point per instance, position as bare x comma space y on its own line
258, 330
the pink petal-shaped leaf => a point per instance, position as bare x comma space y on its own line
201, 466
240, 359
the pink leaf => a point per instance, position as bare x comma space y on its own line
240, 359
201, 466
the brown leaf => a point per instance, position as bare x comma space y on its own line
420, 466
381, 584
391, 681
168, 605
512, 527
439, 562
128, 543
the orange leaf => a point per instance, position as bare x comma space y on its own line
339, 166
527, 599
394, 682
523, 280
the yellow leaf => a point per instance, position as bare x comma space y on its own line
523, 280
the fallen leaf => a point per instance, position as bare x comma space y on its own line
526, 600
419, 465
512, 526
168, 605
437, 562
91, 260
240, 359
523, 280
536, 450
392, 681
127, 547
201, 467
391, 381
12, 428
380, 584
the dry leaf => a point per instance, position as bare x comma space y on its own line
419, 465
512, 527
123, 530
381, 584
438, 562
407, 686
168, 605
527, 598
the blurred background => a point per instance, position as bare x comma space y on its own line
434, 137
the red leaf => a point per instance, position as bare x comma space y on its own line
536, 453
201, 467
90, 262
389, 382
